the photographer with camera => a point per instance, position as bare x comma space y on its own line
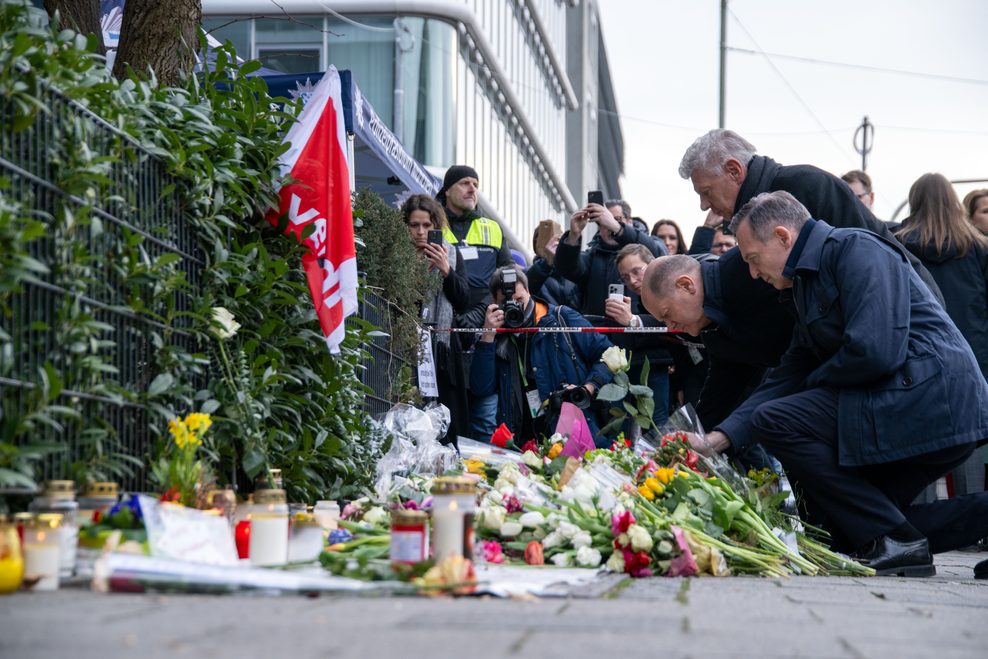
525, 369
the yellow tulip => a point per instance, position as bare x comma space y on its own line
555, 450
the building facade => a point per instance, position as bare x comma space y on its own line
519, 89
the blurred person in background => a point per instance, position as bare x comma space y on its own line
860, 184
543, 279
668, 232
956, 254
976, 205
447, 294
723, 240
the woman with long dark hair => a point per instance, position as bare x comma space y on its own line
938, 232
668, 232
447, 294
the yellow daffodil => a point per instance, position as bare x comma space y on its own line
475, 467
555, 450
646, 492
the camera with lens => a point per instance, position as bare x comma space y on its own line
578, 396
514, 315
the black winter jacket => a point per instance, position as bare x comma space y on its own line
964, 284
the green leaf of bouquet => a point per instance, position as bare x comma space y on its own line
640, 390
611, 392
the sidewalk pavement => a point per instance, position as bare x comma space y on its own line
943, 617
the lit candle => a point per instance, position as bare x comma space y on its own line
42, 551
453, 504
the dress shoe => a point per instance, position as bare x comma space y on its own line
889, 557
981, 570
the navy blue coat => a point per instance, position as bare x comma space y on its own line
552, 361
868, 326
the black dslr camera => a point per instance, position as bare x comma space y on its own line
514, 315
578, 396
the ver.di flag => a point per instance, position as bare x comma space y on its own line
320, 196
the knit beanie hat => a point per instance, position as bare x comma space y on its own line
453, 175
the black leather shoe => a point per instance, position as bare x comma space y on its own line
981, 570
893, 558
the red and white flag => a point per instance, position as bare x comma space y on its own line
321, 197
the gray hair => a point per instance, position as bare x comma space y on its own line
660, 278
769, 210
625, 207
710, 151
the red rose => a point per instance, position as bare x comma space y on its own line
530, 445
501, 436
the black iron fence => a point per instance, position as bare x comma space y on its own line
71, 338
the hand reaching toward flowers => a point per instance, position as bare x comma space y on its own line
713, 442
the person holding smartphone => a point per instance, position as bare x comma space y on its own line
425, 220
595, 271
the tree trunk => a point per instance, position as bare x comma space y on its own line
79, 15
160, 35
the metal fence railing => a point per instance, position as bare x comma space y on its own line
139, 205
74, 320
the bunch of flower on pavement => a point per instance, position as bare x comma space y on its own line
183, 478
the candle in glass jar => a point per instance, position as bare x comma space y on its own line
269, 528
11, 560
58, 497
42, 551
409, 537
453, 502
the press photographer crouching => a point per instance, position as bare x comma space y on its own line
526, 369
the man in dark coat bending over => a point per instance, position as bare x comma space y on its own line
877, 396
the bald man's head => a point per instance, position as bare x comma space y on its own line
673, 292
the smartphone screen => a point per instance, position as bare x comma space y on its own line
435, 237
595, 197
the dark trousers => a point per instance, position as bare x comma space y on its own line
859, 504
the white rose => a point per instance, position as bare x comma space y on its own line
557, 439
223, 325
554, 539
588, 557
375, 515
582, 539
509, 472
568, 529
616, 562
493, 517
504, 486
562, 560
510, 529
531, 460
494, 497
616, 359
641, 540
539, 532
532, 519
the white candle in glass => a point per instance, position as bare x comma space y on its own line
268, 538
42, 557
447, 528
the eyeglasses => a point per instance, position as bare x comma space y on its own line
724, 245
634, 272
862, 195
